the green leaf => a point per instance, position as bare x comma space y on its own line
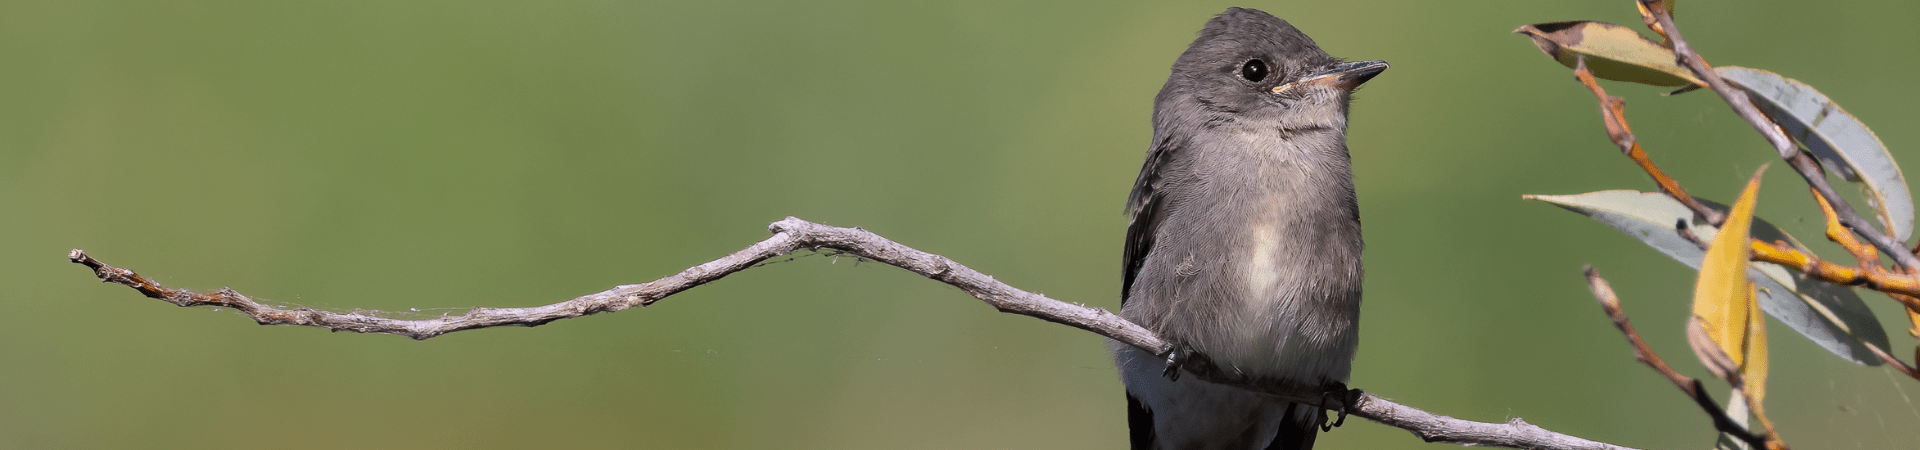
1844, 144
1826, 314
1613, 52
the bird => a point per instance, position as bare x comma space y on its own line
1243, 245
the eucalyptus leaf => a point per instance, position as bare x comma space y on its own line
1829, 315
1613, 52
1724, 312
1844, 144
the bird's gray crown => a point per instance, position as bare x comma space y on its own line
1239, 35
1230, 71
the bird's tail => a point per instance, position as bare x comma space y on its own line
1298, 428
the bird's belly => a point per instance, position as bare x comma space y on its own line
1294, 296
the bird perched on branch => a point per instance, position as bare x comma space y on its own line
1244, 245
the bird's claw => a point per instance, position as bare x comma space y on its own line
1347, 398
1177, 357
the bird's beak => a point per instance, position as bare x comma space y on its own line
1343, 76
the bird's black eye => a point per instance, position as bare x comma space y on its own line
1254, 70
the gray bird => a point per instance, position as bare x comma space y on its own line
1244, 245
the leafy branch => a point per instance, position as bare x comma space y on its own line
1746, 264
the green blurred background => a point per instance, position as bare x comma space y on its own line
417, 154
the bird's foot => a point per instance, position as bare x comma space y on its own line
1176, 357
1347, 398
1184, 358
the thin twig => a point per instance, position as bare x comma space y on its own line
1867, 274
1895, 362
1801, 162
1432, 427
1692, 387
1864, 255
1816, 178
1613, 111
1785, 254
792, 235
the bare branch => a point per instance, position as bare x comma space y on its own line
1432, 427
1613, 112
1788, 150
1692, 387
791, 235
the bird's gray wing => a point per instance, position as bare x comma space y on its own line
1144, 210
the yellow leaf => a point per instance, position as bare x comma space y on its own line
1613, 52
1753, 377
1754, 374
1914, 316
1723, 306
